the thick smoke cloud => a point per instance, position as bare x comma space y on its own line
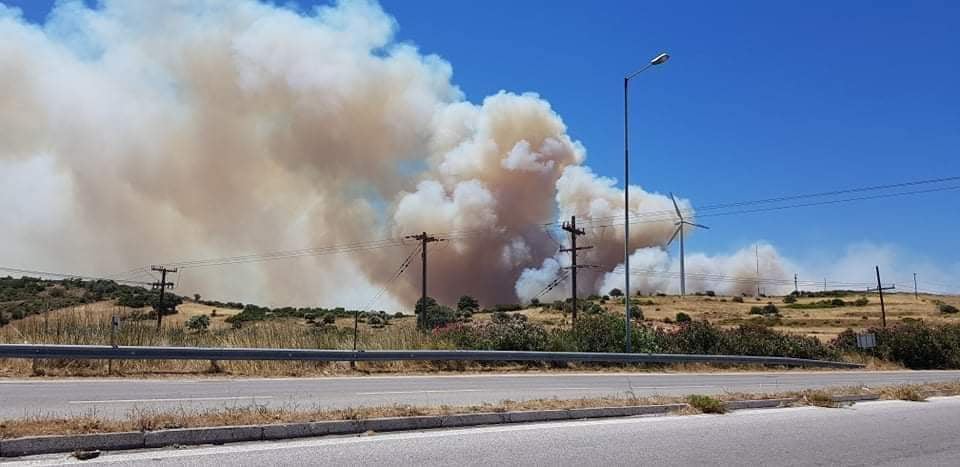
151, 132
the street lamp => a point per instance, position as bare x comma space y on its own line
658, 60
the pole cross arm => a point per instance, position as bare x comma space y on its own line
567, 250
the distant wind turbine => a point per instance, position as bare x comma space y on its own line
680, 228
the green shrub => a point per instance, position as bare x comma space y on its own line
862, 301
790, 299
375, 321
683, 317
706, 404
503, 335
616, 292
701, 337
913, 344
636, 313
602, 332
198, 323
329, 318
948, 309
766, 310
737, 299
467, 302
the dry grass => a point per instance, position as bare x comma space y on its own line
90, 324
823, 323
819, 398
151, 420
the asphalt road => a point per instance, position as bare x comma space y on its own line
873, 433
116, 397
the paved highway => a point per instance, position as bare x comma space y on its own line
115, 397
874, 433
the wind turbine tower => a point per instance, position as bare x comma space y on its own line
680, 228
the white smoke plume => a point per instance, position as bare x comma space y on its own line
143, 132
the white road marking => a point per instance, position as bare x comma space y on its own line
186, 399
384, 393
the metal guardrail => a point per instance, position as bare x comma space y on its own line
103, 352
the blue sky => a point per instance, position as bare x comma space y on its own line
760, 99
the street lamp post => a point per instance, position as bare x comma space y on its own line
659, 59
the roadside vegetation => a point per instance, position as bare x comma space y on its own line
702, 324
158, 419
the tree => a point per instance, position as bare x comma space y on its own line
468, 303
683, 317
198, 323
197, 297
615, 292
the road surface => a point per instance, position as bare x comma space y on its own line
116, 397
873, 433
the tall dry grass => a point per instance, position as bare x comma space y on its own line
91, 325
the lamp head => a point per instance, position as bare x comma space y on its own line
660, 59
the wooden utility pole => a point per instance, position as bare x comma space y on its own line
880, 288
796, 288
424, 240
162, 285
574, 233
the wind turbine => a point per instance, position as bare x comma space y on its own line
680, 224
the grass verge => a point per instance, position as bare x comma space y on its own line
152, 420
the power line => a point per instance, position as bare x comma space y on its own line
710, 207
70, 276
590, 223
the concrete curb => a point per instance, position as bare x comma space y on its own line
856, 398
231, 434
51, 444
759, 404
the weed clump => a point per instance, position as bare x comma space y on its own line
706, 404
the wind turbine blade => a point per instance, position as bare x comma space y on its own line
699, 225
675, 206
675, 232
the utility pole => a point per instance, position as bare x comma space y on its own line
574, 233
424, 240
162, 285
824, 284
880, 288
757, 253
796, 288
916, 296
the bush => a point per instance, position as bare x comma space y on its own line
948, 309
398, 315
790, 299
706, 404
766, 310
912, 344
862, 301
636, 312
504, 335
700, 337
615, 292
710, 293
737, 299
603, 332
439, 316
683, 317
198, 323
376, 321
467, 303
